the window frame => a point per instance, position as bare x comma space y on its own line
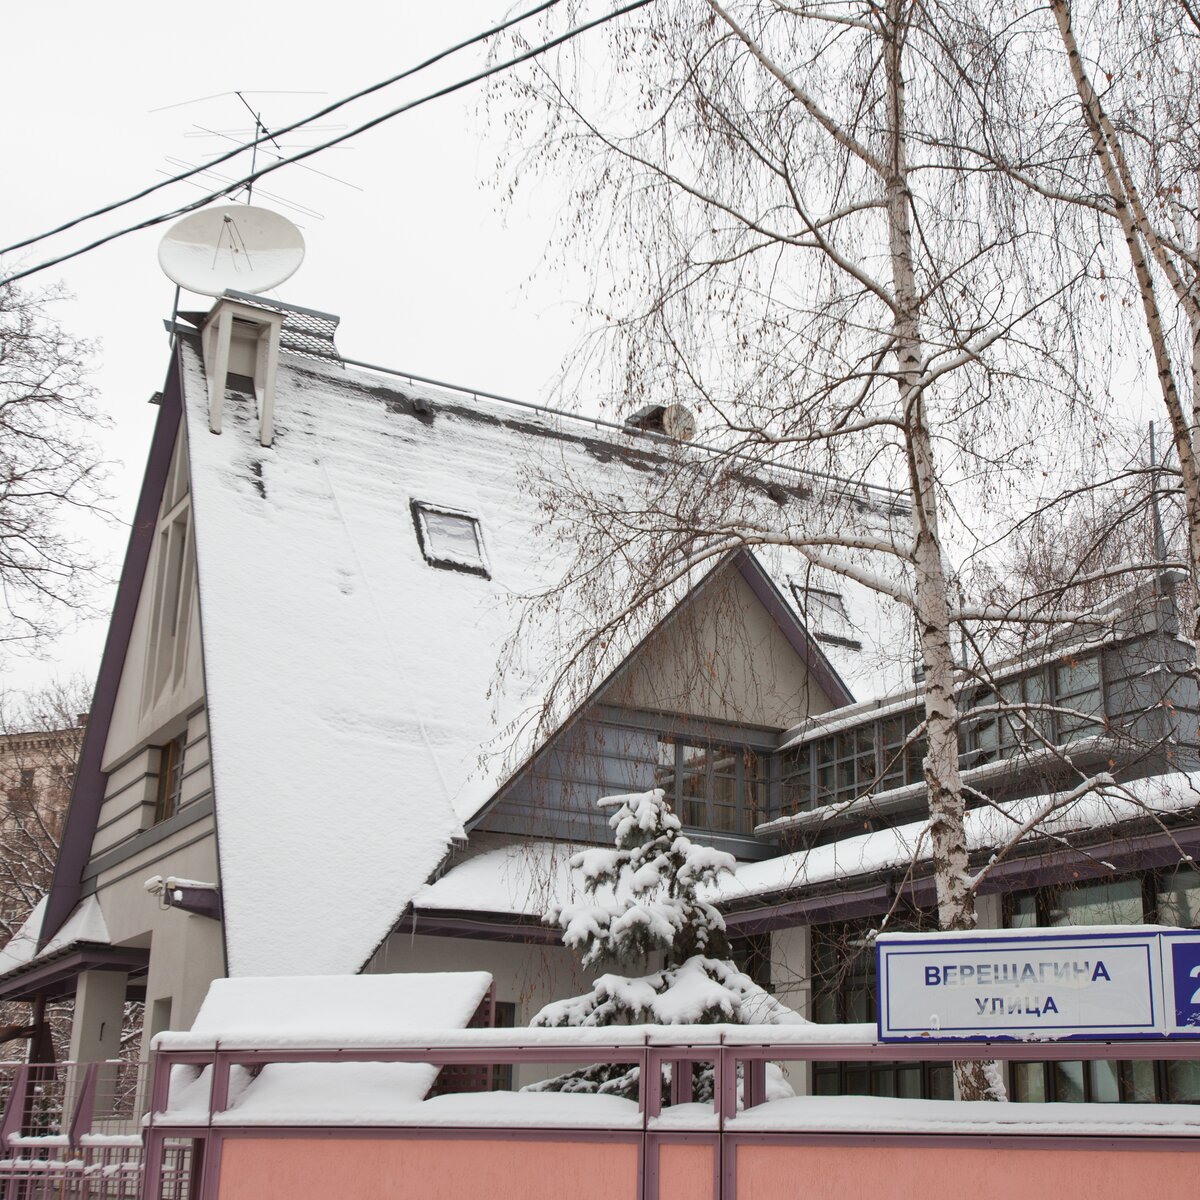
168, 791
748, 811
420, 509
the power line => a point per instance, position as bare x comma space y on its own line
150, 222
270, 136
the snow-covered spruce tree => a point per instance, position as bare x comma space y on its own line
645, 899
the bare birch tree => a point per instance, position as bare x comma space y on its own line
796, 242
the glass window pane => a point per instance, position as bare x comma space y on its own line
1023, 914
664, 770
1068, 1082
693, 784
1138, 1083
826, 1081
754, 785
451, 536
1118, 903
1179, 898
858, 1080
908, 1082
1105, 1082
1183, 1082
914, 761
1029, 1082
941, 1082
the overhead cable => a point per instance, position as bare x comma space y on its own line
270, 135
498, 68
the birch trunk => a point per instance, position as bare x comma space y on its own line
955, 900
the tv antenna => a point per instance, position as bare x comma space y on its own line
255, 139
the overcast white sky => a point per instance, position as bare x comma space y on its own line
424, 269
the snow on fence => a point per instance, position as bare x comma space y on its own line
279, 1121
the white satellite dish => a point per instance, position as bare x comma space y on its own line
678, 422
237, 246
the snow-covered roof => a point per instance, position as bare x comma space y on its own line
866, 635
85, 924
527, 879
356, 717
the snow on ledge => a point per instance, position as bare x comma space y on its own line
323, 1010
878, 1114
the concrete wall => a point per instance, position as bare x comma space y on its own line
160, 696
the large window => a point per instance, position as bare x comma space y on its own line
844, 990
875, 757
711, 786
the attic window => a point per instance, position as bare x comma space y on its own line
450, 539
820, 603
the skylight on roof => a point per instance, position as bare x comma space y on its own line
450, 539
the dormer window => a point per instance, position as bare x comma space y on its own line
450, 539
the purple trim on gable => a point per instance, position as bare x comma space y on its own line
90, 780
805, 645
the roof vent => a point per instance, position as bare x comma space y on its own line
671, 420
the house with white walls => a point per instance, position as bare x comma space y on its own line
305, 758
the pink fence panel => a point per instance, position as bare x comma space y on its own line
433, 1168
918, 1172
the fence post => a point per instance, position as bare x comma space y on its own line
85, 1103
14, 1109
754, 1082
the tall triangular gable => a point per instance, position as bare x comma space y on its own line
87, 795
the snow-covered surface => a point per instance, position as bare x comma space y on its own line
528, 879
22, 946
342, 770
372, 1094
524, 878
568, 1040
878, 1114
323, 1010
85, 924
986, 828
311, 1011
351, 685
867, 636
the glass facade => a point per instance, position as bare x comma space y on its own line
1055, 704
844, 990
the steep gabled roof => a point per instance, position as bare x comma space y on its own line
351, 684
354, 705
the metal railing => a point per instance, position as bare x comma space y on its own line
72, 1131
